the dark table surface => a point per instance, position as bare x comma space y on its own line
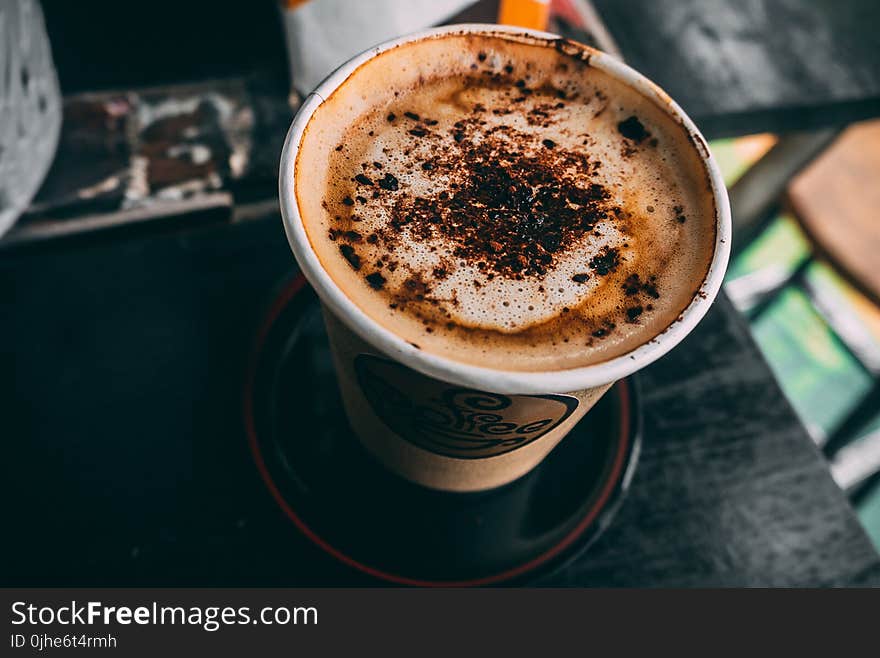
756, 66
126, 462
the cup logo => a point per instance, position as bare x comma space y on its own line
456, 422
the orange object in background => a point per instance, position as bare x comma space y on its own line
524, 13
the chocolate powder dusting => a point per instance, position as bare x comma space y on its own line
632, 285
349, 254
633, 313
389, 182
416, 287
376, 280
605, 330
635, 285
498, 197
512, 211
606, 261
633, 129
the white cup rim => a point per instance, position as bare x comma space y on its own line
479, 377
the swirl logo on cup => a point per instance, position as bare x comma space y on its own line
452, 421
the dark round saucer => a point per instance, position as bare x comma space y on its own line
370, 519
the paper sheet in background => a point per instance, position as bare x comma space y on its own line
322, 34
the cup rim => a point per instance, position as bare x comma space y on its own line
459, 372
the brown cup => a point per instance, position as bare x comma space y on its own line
445, 436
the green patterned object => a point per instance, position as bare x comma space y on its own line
818, 375
781, 243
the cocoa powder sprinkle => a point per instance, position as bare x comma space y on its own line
514, 211
633, 129
499, 203
376, 280
349, 254
389, 182
606, 261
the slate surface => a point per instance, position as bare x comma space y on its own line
126, 464
756, 65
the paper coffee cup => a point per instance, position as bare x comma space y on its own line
452, 425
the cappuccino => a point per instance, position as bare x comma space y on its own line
500, 202
500, 224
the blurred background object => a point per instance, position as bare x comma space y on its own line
525, 13
740, 68
806, 277
321, 34
169, 111
30, 106
101, 45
